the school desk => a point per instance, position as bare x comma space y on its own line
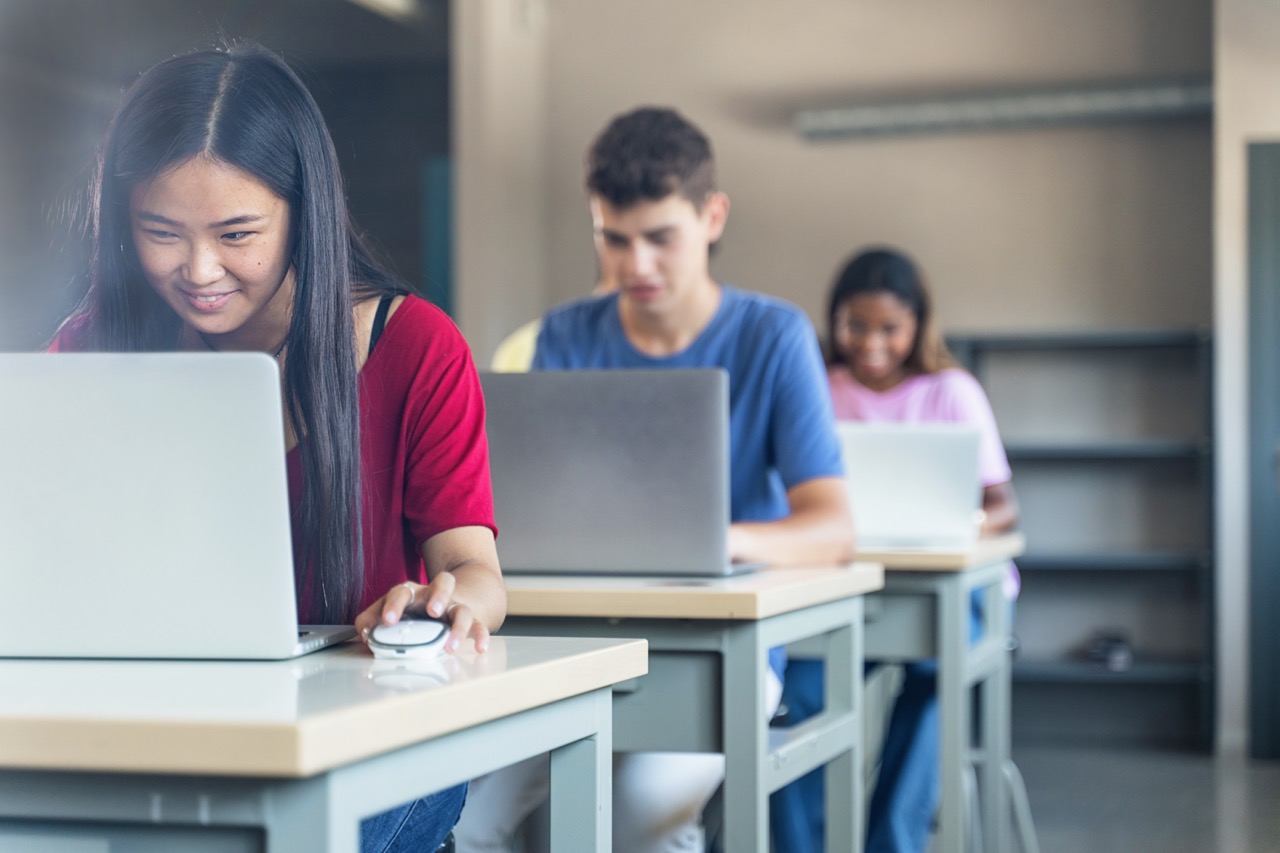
922, 613
705, 691
291, 755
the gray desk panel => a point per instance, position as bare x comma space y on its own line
322, 813
901, 627
47, 837
687, 681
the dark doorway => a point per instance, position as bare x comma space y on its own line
1264, 448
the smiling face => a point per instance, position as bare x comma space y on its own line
657, 251
213, 242
875, 333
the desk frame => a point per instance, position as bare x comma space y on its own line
923, 614
323, 812
710, 675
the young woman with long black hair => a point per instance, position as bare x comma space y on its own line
218, 222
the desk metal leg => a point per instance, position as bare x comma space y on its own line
844, 772
581, 774
746, 825
994, 695
953, 708
832, 738
306, 815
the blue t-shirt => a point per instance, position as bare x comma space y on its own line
781, 426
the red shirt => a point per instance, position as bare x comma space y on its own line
424, 458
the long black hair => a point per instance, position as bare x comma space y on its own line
243, 106
886, 270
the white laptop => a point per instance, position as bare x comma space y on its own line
912, 486
611, 471
144, 509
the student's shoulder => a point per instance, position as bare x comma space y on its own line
582, 309
421, 310
766, 316
956, 388
73, 335
417, 324
956, 379
587, 312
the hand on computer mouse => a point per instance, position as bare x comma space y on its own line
423, 637
441, 599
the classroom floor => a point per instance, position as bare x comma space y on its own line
1104, 801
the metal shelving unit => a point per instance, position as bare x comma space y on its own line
1088, 566
1117, 561
1154, 672
1136, 450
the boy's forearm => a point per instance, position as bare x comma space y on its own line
801, 538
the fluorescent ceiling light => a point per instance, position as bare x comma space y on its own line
396, 10
1129, 102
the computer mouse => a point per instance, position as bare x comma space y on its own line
409, 638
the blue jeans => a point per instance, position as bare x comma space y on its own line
906, 796
421, 825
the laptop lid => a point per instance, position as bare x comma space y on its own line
144, 508
611, 471
912, 485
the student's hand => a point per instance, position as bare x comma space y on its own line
466, 589
818, 530
408, 599
999, 513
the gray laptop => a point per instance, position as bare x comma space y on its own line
611, 471
912, 486
144, 509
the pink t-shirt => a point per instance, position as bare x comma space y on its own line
951, 395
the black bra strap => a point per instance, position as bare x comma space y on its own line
380, 320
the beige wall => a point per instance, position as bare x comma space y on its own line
1247, 84
1061, 228
500, 117
1057, 228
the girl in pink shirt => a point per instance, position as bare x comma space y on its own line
887, 362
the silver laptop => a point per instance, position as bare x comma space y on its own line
144, 509
611, 471
912, 486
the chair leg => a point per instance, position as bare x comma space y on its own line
713, 822
1021, 809
973, 842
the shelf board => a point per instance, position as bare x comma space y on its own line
1155, 672
1115, 561
1114, 339
1130, 450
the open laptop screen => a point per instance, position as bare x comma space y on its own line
611, 471
144, 507
912, 485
